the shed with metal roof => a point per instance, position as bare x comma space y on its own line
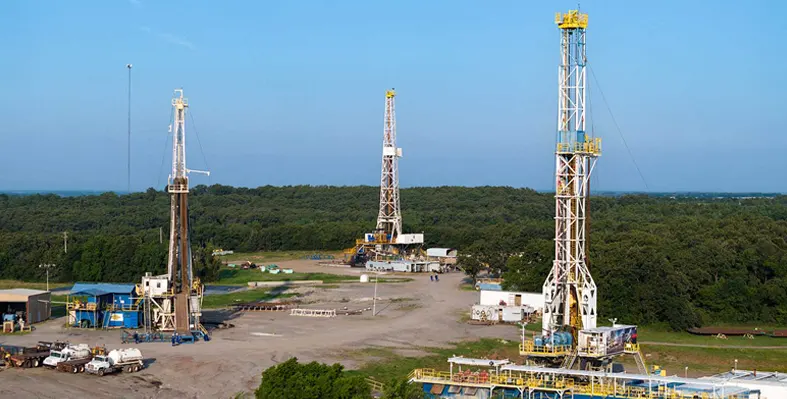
33, 304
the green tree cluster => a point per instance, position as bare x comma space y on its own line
683, 261
294, 380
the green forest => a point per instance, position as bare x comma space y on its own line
681, 261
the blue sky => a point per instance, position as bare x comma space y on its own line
292, 92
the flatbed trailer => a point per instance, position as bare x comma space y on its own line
74, 366
28, 358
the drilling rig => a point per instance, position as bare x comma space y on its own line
173, 301
387, 241
570, 313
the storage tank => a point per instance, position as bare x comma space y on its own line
80, 351
124, 355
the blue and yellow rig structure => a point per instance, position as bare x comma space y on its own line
484, 378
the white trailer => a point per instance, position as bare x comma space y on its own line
128, 360
603, 342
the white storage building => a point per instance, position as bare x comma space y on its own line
511, 298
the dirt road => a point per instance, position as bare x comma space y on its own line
233, 361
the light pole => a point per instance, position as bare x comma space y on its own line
129, 127
686, 372
374, 300
736, 365
47, 266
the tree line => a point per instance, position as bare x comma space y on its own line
683, 261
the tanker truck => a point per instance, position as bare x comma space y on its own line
71, 353
128, 360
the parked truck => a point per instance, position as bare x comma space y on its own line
32, 356
126, 360
72, 358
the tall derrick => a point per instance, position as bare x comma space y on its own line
186, 289
569, 290
389, 219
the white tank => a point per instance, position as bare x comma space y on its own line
364, 278
74, 352
124, 355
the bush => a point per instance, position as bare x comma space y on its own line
313, 380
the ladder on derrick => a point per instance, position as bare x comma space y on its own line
569, 360
640, 362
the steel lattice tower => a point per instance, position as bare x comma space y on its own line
569, 290
179, 264
389, 220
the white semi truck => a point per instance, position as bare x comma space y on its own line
126, 360
74, 354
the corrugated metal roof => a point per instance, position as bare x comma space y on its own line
18, 294
102, 288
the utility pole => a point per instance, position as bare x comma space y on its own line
374, 300
65, 241
129, 127
47, 266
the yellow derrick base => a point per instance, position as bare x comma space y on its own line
573, 19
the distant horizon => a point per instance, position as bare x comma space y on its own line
88, 192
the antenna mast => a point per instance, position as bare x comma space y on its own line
389, 219
569, 290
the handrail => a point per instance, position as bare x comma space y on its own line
529, 348
531, 380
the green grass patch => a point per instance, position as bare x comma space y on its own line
707, 361
259, 294
393, 280
8, 284
661, 334
467, 287
237, 276
274, 256
230, 276
387, 364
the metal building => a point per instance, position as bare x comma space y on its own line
104, 305
34, 303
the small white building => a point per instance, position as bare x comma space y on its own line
511, 298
